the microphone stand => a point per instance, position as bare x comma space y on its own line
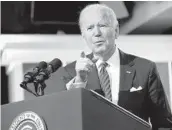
24, 86
39, 88
39, 82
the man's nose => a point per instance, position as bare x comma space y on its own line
97, 32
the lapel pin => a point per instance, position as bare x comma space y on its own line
128, 72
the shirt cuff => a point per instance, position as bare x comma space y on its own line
71, 84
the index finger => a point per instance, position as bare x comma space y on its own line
82, 55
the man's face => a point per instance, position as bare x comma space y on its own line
98, 31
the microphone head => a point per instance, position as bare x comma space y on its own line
42, 65
55, 64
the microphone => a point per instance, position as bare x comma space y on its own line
29, 76
44, 74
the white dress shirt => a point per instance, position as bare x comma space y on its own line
113, 70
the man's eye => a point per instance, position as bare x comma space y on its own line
102, 25
89, 28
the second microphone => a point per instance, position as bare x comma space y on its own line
45, 73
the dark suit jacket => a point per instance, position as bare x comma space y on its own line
150, 102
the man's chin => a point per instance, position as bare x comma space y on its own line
99, 51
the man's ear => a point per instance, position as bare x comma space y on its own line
117, 31
82, 34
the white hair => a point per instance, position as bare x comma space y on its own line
109, 12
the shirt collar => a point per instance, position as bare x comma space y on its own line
114, 60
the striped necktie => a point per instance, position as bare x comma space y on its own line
105, 81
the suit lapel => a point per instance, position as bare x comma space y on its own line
127, 72
70, 72
126, 77
93, 79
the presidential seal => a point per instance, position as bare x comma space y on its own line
28, 121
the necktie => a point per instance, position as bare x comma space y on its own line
105, 81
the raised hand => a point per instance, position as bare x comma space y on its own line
83, 67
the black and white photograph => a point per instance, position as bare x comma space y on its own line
86, 65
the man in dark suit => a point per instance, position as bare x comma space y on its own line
127, 80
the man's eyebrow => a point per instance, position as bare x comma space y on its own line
90, 25
104, 23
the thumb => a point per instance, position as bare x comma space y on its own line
82, 54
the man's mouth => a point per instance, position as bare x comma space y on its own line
99, 42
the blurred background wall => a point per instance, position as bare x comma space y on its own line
43, 17
36, 31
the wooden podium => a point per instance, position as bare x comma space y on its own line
77, 109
